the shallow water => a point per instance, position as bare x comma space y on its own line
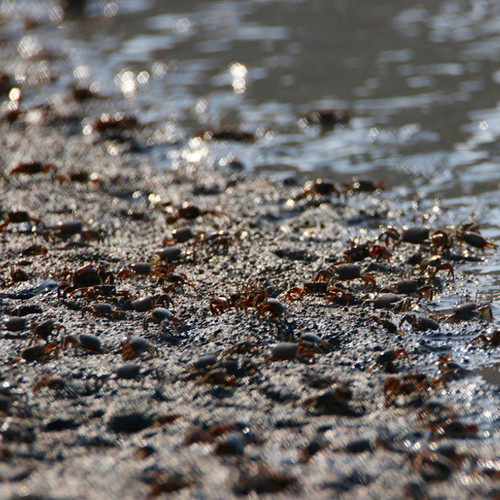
421, 82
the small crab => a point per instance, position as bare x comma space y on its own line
187, 211
290, 351
387, 324
344, 272
335, 401
390, 301
419, 323
360, 251
308, 288
410, 287
386, 359
259, 479
149, 302
493, 340
273, 308
475, 240
243, 347
410, 387
468, 232
222, 304
32, 168
66, 230
415, 235
84, 277
363, 185
90, 343
100, 309
43, 330
432, 265
160, 315
328, 118
318, 187
468, 311
19, 217
133, 347
40, 352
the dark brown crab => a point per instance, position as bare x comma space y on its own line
84, 277
416, 236
187, 211
410, 287
344, 272
469, 233
493, 340
360, 251
161, 315
18, 217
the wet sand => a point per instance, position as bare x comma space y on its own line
232, 388
338, 418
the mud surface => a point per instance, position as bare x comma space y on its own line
322, 393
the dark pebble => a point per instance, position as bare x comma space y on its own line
359, 446
129, 422
128, 371
16, 324
60, 424
4, 404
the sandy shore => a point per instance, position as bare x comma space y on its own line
231, 388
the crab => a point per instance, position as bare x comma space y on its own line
141, 269
43, 330
220, 241
160, 315
360, 251
304, 350
318, 187
100, 309
40, 352
186, 211
469, 233
308, 288
390, 301
222, 304
32, 168
414, 385
149, 302
90, 343
19, 217
344, 272
243, 347
410, 287
470, 310
363, 185
419, 323
132, 347
66, 230
273, 308
84, 277
211, 369
253, 296
386, 359
328, 118
493, 340
335, 401
432, 265
416, 236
